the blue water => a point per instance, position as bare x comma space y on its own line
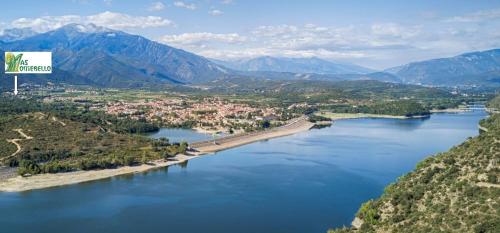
180, 135
306, 182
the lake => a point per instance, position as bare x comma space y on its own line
180, 135
306, 182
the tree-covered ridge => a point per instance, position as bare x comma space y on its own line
455, 191
43, 138
407, 108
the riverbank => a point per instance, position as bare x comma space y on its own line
20, 184
341, 116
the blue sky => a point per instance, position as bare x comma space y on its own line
376, 34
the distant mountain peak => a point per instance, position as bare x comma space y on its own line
294, 65
473, 68
13, 34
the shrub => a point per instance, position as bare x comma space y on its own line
28, 167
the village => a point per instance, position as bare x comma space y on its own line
209, 115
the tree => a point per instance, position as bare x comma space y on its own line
129, 160
183, 147
264, 124
144, 158
28, 167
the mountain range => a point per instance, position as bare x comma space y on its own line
97, 56
294, 65
476, 68
118, 59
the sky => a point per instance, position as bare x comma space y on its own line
372, 33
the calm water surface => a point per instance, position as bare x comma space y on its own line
180, 135
304, 183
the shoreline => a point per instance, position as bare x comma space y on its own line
42, 181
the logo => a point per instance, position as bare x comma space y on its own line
12, 62
28, 62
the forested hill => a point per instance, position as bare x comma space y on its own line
37, 137
455, 191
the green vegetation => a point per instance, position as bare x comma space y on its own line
64, 137
365, 96
406, 108
494, 103
455, 191
316, 118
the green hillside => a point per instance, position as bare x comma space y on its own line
51, 138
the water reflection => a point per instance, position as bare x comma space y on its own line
409, 124
183, 164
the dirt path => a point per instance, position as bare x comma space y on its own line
56, 120
20, 131
17, 145
15, 142
488, 185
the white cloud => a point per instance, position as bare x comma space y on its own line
271, 31
215, 12
189, 6
198, 38
378, 45
156, 6
2, 27
227, 1
395, 30
477, 16
107, 19
46, 23
123, 21
258, 52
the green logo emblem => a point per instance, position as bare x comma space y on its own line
13, 62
